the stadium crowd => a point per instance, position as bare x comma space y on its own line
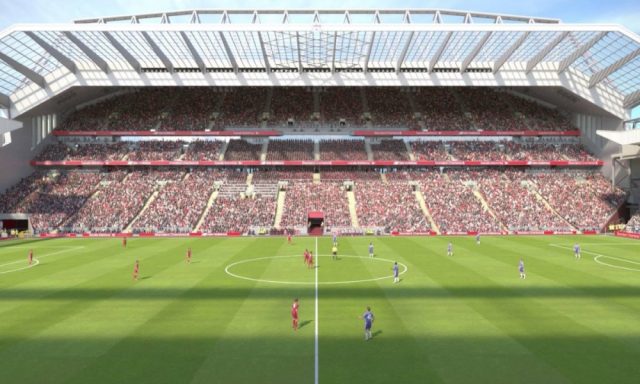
584, 200
329, 198
390, 150
341, 104
453, 205
242, 150
389, 107
291, 149
393, 206
343, 150
237, 214
179, 204
199, 108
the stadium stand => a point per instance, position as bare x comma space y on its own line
392, 206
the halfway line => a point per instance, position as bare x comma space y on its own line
316, 380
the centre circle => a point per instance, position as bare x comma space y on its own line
291, 270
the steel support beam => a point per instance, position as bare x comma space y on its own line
194, 53
24, 70
227, 49
99, 61
333, 56
63, 59
545, 51
265, 57
299, 51
403, 54
439, 52
580, 51
5, 101
632, 99
133, 62
605, 72
365, 67
472, 55
510, 51
159, 52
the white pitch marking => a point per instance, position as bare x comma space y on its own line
598, 256
23, 268
33, 265
316, 356
230, 266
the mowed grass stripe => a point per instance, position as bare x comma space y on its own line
176, 330
102, 313
257, 343
604, 315
530, 322
461, 343
342, 333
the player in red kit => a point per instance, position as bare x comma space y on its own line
124, 242
306, 256
30, 256
310, 260
289, 239
189, 255
294, 313
136, 270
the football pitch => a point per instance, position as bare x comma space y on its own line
77, 316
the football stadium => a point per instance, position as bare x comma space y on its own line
319, 196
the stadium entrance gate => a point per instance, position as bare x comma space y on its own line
315, 223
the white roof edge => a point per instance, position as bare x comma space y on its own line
311, 11
621, 137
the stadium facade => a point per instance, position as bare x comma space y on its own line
590, 72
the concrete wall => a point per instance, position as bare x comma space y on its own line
600, 147
15, 157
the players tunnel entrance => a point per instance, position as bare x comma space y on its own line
315, 223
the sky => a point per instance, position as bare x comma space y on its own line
623, 12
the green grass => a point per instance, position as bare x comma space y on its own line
78, 317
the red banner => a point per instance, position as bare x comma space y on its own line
338, 163
466, 133
628, 235
167, 133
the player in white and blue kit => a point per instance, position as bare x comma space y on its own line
576, 251
335, 239
371, 249
523, 275
368, 323
396, 273
478, 238
450, 249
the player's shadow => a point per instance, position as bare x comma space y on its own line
144, 278
304, 323
195, 262
376, 333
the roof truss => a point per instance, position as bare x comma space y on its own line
545, 51
24, 70
632, 99
64, 60
133, 62
472, 55
601, 75
509, 52
159, 52
194, 53
438, 54
99, 61
580, 51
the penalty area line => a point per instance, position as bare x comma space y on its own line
35, 262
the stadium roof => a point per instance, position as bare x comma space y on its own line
409, 47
